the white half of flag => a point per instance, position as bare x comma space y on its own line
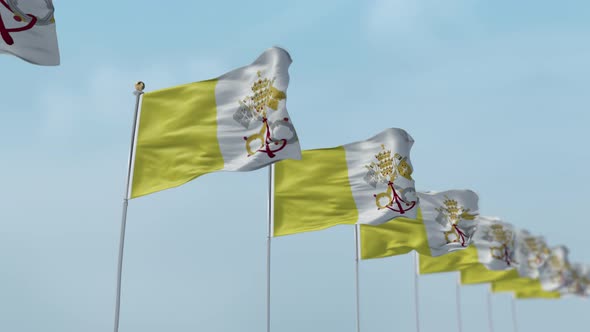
27, 30
380, 175
531, 254
495, 242
579, 284
555, 274
449, 218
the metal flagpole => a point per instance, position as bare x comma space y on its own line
514, 314
358, 291
416, 294
458, 295
139, 86
490, 319
271, 172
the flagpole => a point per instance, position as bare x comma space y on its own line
458, 295
514, 313
490, 319
416, 294
139, 86
271, 171
358, 291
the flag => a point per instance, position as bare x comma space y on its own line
495, 244
556, 273
531, 254
579, 283
27, 30
583, 272
366, 182
486, 249
559, 277
236, 122
445, 223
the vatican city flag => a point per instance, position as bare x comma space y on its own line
27, 30
236, 122
556, 274
549, 285
559, 275
445, 223
495, 244
367, 182
575, 281
531, 254
472, 258
580, 281
489, 255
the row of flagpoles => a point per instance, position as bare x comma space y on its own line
239, 122
458, 304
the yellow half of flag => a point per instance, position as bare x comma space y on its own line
395, 237
328, 198
455, 261
537, 293
479, 273
176, 137
516, 285
236, 122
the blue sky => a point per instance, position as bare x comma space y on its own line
495, 95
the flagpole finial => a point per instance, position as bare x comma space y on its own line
139, 86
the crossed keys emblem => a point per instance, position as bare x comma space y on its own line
453, 213
24, 21
503, 252
536, 252
386, 171
255, 108
559, 269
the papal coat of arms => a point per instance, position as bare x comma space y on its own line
255, 108
535, 251
577, 283
449, 216
384, 173
558, 271
504, 236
